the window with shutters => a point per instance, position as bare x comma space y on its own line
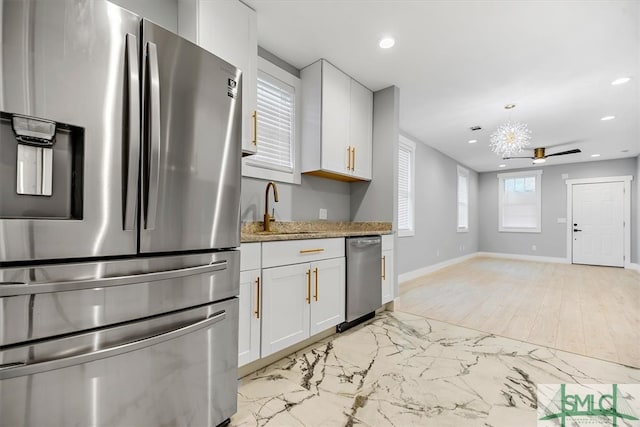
406, 187
277, 129
520, 202
463, 199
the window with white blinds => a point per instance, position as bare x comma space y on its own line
276, 124
463, 199
519, 201
406, 187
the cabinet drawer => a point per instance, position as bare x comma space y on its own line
249, 256
387, 242
296, 251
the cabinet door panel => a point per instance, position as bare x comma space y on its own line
335, 119
361, 129
229, 30
285, 315
328, 294
249, 324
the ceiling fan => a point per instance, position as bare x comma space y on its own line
540, 157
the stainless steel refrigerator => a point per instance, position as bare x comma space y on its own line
119, 214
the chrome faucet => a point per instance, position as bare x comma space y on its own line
268, 218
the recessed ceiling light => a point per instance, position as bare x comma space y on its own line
473, 141
502, 166
621, 81
624, 151
536, 161
595, 155
509, 106
387, 42
605, 118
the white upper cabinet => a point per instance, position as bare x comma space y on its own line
361, 129
228, 29
337, 127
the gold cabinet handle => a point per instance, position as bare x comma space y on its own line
257, 312
349, 158
315, 271
311, 251
384, 268
353, 162
309, 286
255, 128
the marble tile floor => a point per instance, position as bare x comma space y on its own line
404, 370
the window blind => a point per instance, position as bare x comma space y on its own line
520, 201
405, 214
276, 119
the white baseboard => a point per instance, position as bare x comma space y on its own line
633, 266
557, 260
405, 277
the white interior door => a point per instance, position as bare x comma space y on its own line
598, 224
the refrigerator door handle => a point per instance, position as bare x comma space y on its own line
64, 362
133, 107
152, 82
12, 288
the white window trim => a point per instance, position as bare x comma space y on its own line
465, 173
411, 146
255, 171
501, 177
626, 179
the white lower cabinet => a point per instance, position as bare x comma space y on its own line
249, 321
328, 294
301, 300
250, 303
388, 276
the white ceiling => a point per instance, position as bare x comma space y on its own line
457, 63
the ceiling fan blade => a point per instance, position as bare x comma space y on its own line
562, 153
509, 158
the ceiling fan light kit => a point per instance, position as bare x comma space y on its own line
510, 138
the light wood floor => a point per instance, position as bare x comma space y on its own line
594, 311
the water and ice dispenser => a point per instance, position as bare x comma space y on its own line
40, 168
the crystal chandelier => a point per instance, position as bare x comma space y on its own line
510, 138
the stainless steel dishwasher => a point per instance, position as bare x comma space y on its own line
364, 279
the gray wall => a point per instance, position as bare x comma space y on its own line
436, 237
377, 200
162, 12
297, 202
552, 241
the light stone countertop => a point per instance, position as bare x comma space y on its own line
296, 230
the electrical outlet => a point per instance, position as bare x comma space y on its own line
533, 248
437, 252
323, 214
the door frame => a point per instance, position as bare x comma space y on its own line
626, 179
